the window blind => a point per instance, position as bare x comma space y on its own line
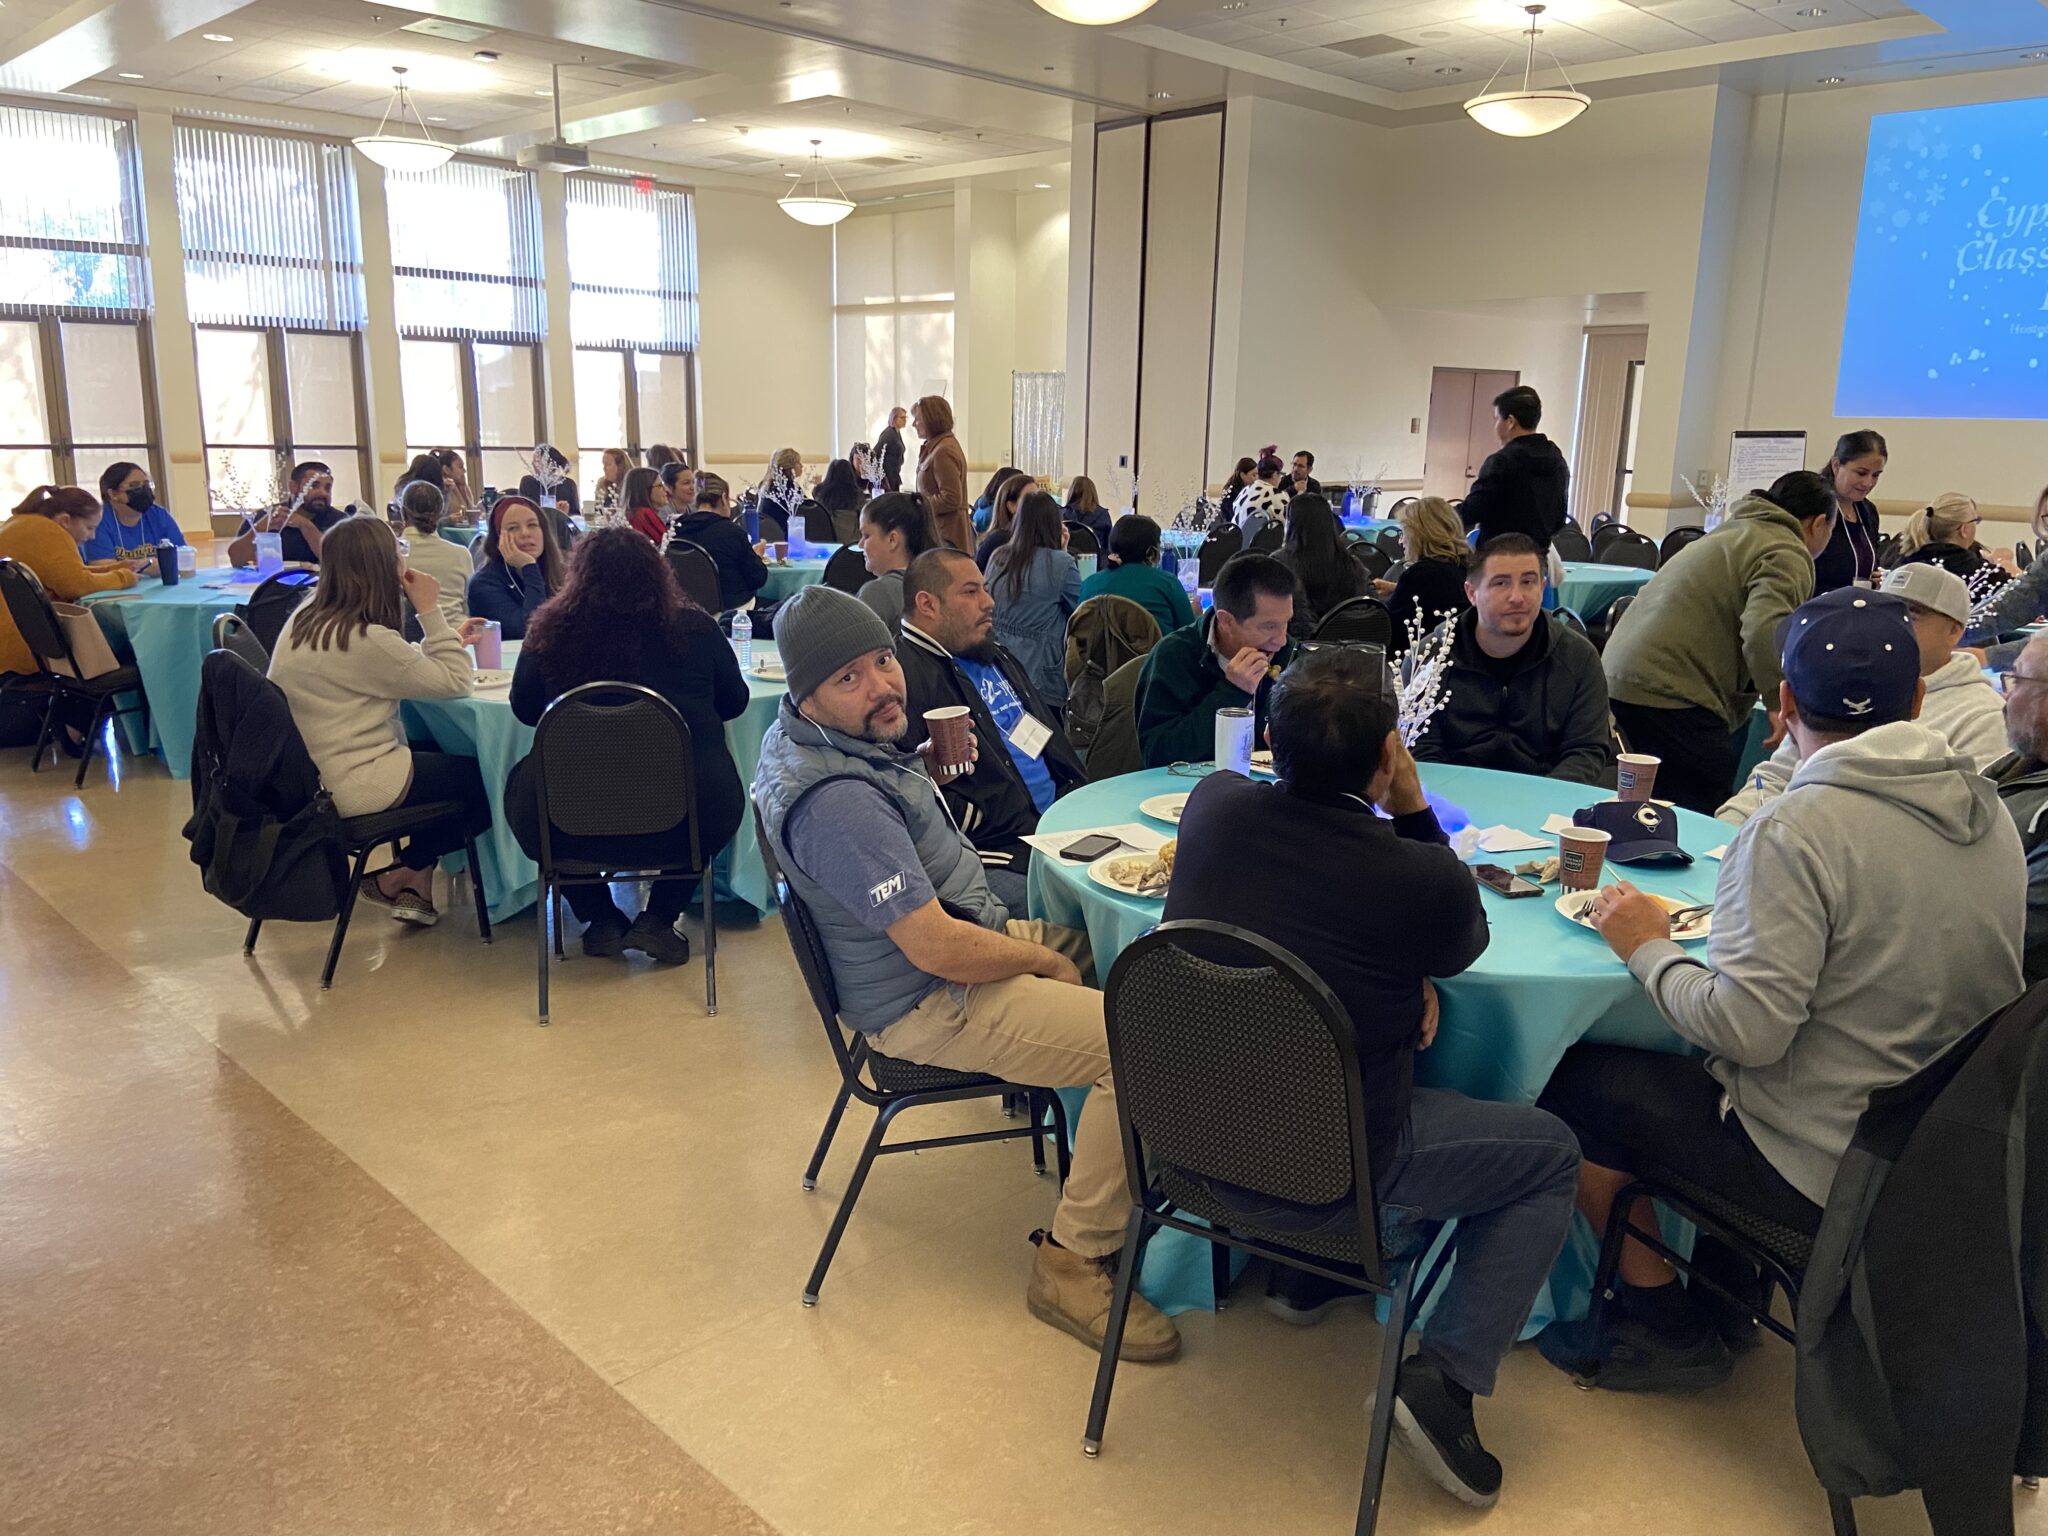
70, 215
465, 247
269, 228
632, 265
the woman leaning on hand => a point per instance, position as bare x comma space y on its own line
522, 566
344, 665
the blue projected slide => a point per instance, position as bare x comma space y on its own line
1948, 299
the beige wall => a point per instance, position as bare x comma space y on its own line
1042, 228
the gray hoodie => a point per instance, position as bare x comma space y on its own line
1864, 918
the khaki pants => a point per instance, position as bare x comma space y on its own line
1043, 1034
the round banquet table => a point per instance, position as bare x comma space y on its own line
1589, 588
167, 631
482, 726
1542, 985
787, 577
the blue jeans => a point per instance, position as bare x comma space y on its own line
1012, 887
1506, 1173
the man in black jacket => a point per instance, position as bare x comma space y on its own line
1521, 487
949, 655
709, 524
1251, 853
1522, 693
889, 449
1301, 477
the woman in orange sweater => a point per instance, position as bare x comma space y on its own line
45, 534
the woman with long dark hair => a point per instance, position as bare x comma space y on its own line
983, 510
1315, 551
1007, 497
522, 566
1084, 506
841, 494
1036, 586
645, 502
1241, 476
621, 617
1852, 473
895, 528
344, 665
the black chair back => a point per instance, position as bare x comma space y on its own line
231, 632
1626, 547
1601, 520
817, 523
1374, 558
1616, 609
1218, 545
28, 604
807, 945
581, 740
1402, 505
696, 572
1219, 1040
274, 602
1268, 538
1358, 618
1081, 540
1677, 538
1395, 572
2021, 555
1888, 552
1389, 539
476, 549
1571, 544
847, 570
1570, 619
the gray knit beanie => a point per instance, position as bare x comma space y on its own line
819, 631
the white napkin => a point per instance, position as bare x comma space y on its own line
1715, 853
1505, 839
1555, 824
1135, 838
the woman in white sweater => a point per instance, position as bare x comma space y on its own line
344, 665
420, 505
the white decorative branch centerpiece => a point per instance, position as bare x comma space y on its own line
1425, 673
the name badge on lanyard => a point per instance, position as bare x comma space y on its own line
1029, 735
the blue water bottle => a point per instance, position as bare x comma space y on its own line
752, 513
1169, 562
743, 639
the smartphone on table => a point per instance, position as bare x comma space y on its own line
1495, 878
1091, 848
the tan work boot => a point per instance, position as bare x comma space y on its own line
1073, 1293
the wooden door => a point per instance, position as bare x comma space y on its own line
1461, 431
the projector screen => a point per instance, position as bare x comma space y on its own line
1948, 297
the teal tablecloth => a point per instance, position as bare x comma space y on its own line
482, 726
462, 536
1188, 540
786, 578
1589, 589
168, 631
1542, 985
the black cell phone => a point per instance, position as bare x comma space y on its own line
1091, 847
1493, 877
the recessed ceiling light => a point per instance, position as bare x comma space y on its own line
1235, 5
1812, 11
484, 56
794, 175
1829, 80
1162, 95
700, 119
129, 75
1041, 186
437, 119
216, 37
1450, 69
543, 93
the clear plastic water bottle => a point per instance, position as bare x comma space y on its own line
743, 639
1190, 574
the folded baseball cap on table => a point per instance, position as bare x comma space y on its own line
1638, 831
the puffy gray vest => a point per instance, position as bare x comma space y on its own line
877, 983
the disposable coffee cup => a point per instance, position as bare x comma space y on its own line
1635, 775
781, 549
1580, 854
490, 647
947, 728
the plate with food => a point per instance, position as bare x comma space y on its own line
1165, 808
1696, 922
1262, 762
493, 677
769, 669
1135, 874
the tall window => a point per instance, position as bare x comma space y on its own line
893, 315
274, 275
465, 245
633, 312
74, 302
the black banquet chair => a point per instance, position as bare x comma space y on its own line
1624, 546
1570, 543
1374, 560
2022, 556
696, 572
1218, 545
581, 740
1616, 609
1268, 538
1081, 540
1389, 539
1602, 520
57, 669
231, 632
1358, 619
1677, 538
847, 570
275, 600
1234, 1064
886, 1085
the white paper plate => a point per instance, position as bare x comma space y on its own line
1099, 873
1572, 906
1164, 807
770, 672
1262, 762
493, 678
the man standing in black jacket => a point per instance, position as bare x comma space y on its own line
1253, 854
949, 655
1522, 486
889, 449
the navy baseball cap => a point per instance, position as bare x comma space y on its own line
1852, 655
1638, 831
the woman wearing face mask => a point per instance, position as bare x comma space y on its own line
1852, 473
521, 569
134, 525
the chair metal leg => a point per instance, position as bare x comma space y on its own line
1842, 1512
46, 740
540, 944
555, 898
348, 907
249, 939
476, 891
710, 945
1130, 1258
99, 719
846, 1202
1060, 1136
1604, 1280
1219, 1274
839, 1103
1392, 1337
1035, 1108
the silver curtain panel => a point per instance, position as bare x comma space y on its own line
1038, 408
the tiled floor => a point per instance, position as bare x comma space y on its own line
392, 1259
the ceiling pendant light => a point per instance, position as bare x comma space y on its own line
402, 151
815, 206
1095, 13
1527, 113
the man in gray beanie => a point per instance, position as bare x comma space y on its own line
929, 965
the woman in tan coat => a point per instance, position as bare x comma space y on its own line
942, 471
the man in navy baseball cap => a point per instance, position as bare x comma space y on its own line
1819, 911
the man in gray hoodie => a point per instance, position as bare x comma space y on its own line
1819, 983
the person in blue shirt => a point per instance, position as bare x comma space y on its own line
949, 656
1131, 569
522, 567
134, 525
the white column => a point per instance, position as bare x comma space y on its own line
558, 352
177, 362
384, 398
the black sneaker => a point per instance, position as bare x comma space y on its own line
658, 940
605, 939
1295, 1296
1434, 1427
1634, 1357
1736, 1325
